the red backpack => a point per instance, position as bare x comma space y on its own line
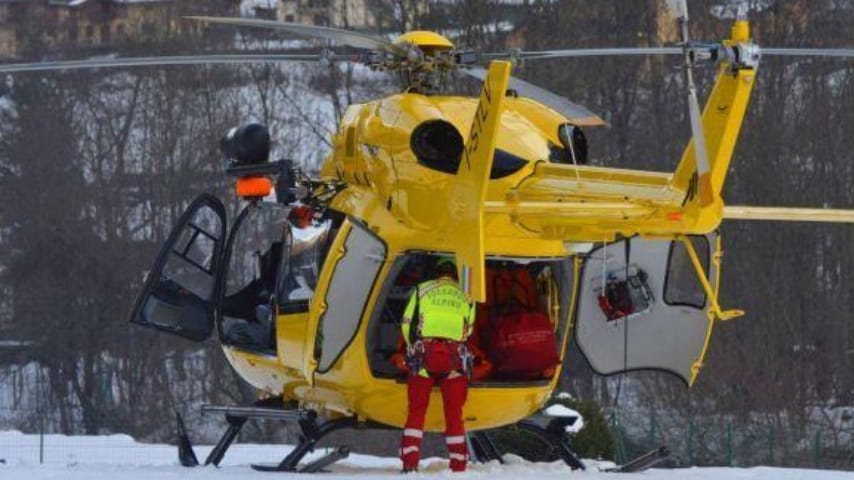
523, 345
522, 342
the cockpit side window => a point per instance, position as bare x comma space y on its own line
254, 254
299, 272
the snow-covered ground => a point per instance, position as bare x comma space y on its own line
119, 457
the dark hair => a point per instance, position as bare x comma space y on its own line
445, 269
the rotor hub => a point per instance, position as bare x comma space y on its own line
428, 42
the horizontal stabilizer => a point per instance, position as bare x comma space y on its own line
785, 214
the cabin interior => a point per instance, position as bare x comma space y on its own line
527, 300
274, 265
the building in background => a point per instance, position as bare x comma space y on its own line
8, 33
45, 27
354, 14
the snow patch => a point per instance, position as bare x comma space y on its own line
562, 411
119, 456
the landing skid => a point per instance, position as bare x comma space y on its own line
312, 432
552, 431
483, 449
312, 467
647, 460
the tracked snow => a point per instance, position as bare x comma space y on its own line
119, 456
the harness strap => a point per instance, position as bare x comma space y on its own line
415, 326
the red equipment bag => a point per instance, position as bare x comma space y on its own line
523, 345
512, 286
442, 356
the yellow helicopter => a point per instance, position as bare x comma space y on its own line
306, 291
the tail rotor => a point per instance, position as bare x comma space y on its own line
701, 155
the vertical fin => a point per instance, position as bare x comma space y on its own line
708, 154
471, 181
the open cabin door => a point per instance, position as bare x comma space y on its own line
358, 256
178, 295
642, 306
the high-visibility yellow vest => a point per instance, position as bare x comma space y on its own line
444, 311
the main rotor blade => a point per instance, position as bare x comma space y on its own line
640, 51
573, 111
785, 214
593, 52
156, 61
810, 52
346, 37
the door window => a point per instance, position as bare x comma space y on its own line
308, 247
179, 290
347, 296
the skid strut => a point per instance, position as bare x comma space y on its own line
552, 431
554, 434
312, 432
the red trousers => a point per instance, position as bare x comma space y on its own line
454, 391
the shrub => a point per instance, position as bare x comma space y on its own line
593, 441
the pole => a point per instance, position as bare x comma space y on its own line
816, 448
771, 445
729, 444
689, 442
652, 433
40, 411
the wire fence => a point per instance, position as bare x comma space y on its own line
30, 435
722, 441
56, 449
43, 446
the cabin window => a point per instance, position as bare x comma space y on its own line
528, 292
348, 293
682, 286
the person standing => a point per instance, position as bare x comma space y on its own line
436, 323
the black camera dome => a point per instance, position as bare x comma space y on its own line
247, 145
